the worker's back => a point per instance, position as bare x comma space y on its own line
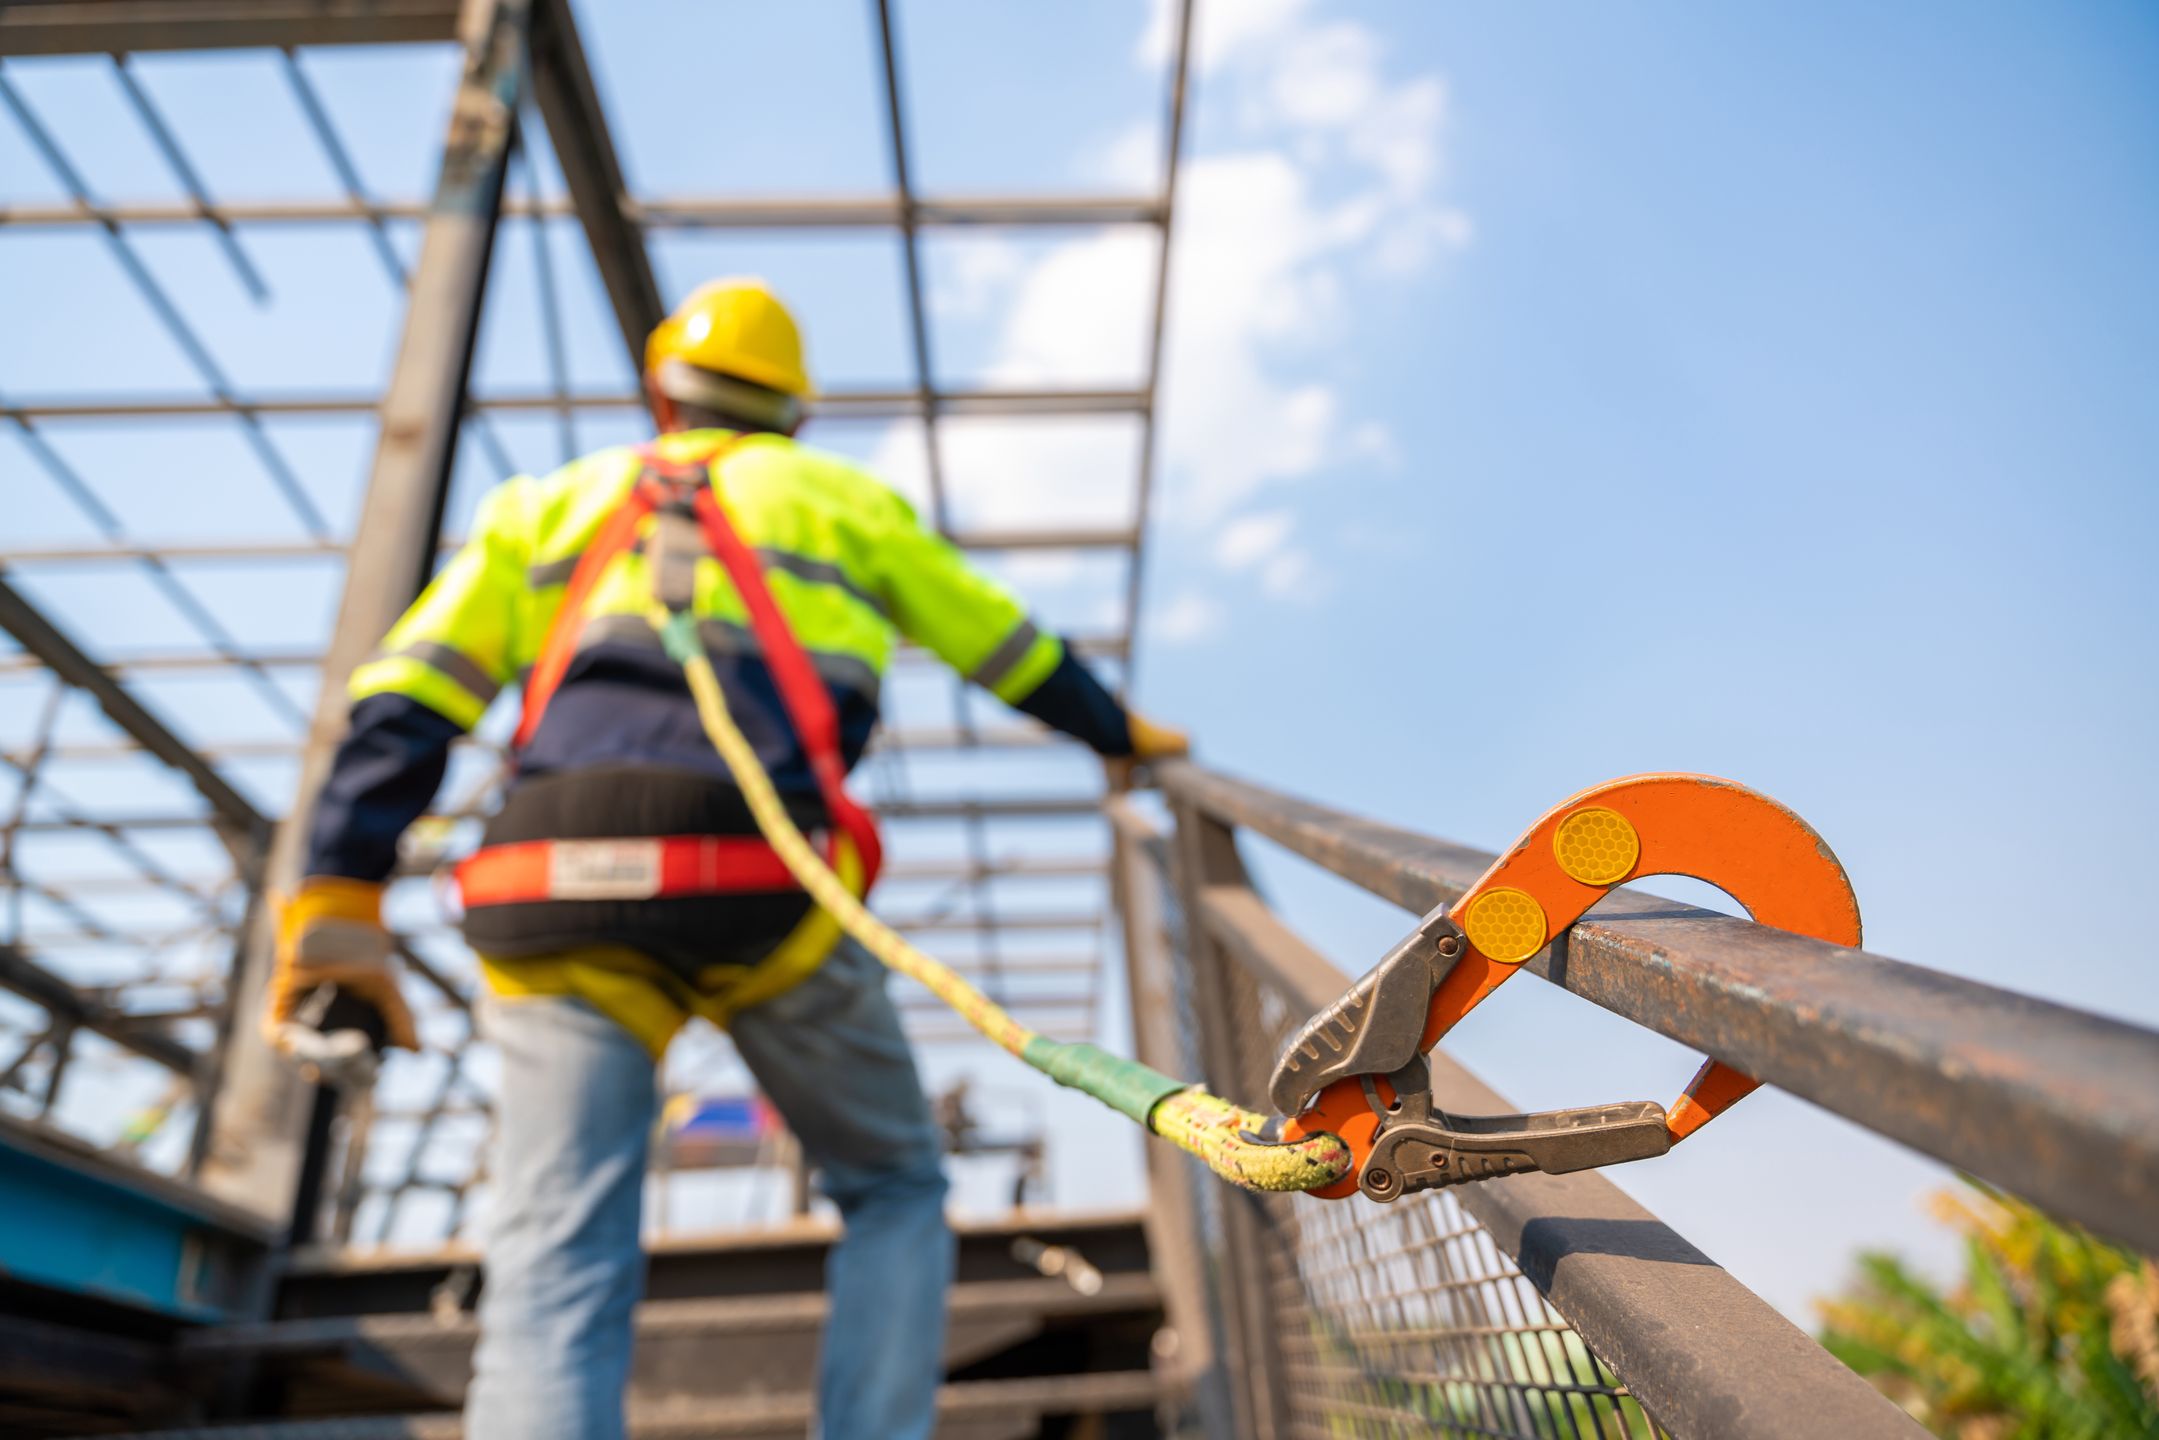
618, 751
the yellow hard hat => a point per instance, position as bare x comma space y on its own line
734, 327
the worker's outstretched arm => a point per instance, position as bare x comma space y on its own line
429, 683
981, 629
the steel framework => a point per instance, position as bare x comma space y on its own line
136, 934
251, 1133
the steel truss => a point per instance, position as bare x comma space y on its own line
264, 1144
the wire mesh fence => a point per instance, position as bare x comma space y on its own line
1360, 1320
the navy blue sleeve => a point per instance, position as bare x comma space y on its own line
386, 772
1073, 701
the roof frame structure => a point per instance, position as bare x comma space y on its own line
517, 51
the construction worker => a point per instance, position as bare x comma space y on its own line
622, 890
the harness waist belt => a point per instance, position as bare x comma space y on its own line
645, 868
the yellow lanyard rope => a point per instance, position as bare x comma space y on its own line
1185, 1115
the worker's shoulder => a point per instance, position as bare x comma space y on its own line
836, 478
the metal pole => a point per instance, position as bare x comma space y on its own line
260, 1131
1174, 1244
1206, 855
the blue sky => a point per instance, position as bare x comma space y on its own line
1762, 391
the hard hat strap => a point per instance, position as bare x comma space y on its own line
725, 395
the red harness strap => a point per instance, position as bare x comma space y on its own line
679, 865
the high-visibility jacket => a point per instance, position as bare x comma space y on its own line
619, 750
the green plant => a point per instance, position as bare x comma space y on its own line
2049, 1334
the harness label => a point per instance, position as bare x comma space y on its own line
603, 869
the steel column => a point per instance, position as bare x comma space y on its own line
1701, 1352
1206, 855
1137, 875
260, 1129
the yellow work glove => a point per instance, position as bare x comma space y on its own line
1149, 742
330, 933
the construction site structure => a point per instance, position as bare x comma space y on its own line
193, 1241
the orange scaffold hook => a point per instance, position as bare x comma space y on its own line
1358, 1069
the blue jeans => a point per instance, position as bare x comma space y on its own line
564, 1268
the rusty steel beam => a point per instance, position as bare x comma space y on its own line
1703, 1354
2055, 1104
100, 27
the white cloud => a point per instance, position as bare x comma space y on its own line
1333, 174
971, 273
1328, 177
1249, 539
1188, 618
1290, 573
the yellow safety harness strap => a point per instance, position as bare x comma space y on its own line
1223, 1135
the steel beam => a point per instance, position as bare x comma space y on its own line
1094, 647
98, 27
1037, 807
261, 1128
577, 129
682, 212
276, 551
976, 924
1173, 147
52, 648
1017, 807
910, 741
1015, 867
1704, 1354
837, 405
2055, 1104
25, 977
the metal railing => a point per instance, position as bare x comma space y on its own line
1555, 1306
